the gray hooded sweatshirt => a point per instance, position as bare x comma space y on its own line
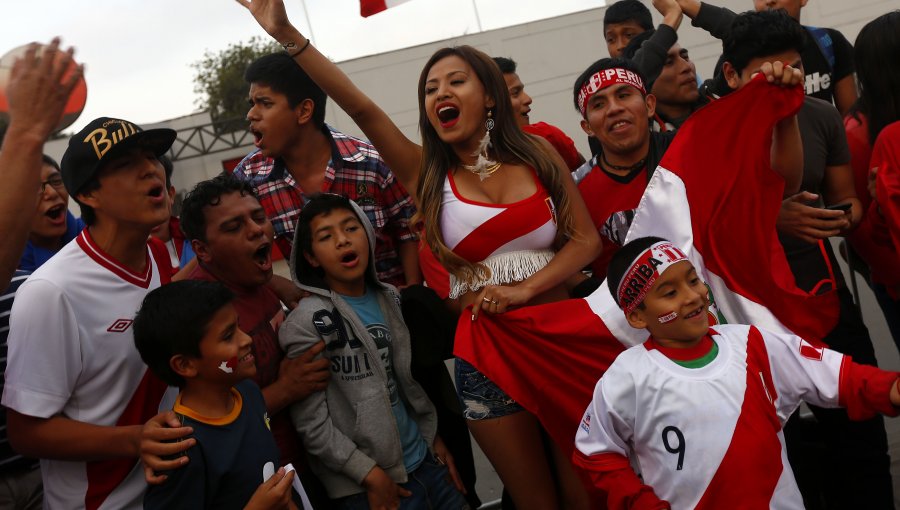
350, 427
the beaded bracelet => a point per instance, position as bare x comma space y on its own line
290, 45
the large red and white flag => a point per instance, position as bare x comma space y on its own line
714, 196
370, 7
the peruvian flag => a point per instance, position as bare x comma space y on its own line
370, 7
714, 196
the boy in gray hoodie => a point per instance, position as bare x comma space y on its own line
371, 434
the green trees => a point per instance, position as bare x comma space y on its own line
219, 81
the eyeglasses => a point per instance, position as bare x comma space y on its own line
55, 180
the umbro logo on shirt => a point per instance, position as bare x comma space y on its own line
120, 326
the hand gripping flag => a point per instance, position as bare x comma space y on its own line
715, 197
370, 7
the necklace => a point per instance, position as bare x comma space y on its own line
624, 168
483, 172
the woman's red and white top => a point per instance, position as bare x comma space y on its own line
512, 240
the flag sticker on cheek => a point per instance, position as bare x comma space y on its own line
228, 366
666, 318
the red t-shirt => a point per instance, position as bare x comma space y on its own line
562, 143
611, 201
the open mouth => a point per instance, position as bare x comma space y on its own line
448, 115
56, 212
619, 125
156, 192
257, 137
246, 358
349, 259
263, 255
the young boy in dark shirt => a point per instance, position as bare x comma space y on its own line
187, 333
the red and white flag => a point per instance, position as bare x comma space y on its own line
715, 197
370, 7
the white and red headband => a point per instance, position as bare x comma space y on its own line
644, 271
606, 78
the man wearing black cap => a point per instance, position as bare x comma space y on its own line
76, 389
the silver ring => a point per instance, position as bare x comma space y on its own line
486, 299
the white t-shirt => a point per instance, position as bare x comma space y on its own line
708, 437
72, 353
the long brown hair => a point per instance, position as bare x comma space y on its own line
507, 139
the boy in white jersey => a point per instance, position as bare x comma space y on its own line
697, 412
77, 392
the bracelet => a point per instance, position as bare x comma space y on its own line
291, 45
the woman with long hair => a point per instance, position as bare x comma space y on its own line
876, 55
501, 213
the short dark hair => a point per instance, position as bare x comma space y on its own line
760, 34
628, 10
173, 319
208, 192
506, 65
603, 63
47, 160
621, 261
283, 75
88, 216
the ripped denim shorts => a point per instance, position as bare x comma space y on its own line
479, 397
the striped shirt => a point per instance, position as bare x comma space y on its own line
355, 171
9, 460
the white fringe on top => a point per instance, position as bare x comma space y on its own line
509, 267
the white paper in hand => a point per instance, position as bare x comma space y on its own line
298, 486
268, 471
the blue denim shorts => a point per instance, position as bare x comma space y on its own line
479, 397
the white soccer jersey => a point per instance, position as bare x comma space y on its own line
72, 353
711, 437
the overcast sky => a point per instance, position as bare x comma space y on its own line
138, 52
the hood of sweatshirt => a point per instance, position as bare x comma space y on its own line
310, 278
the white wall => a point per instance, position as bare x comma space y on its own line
551, 53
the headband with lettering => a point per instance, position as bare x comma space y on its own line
605, 78
644, 271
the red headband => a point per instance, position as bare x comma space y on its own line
644, 271
605, 78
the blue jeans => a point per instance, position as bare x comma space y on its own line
479, 397
431, 487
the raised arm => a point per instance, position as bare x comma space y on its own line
400, 153
37, 97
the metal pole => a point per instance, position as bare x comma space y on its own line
312, 36
477, 17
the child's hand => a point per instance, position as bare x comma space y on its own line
445, 457
163, 437
779, 73
382, 492
274, 493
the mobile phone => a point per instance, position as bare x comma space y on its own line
839, 207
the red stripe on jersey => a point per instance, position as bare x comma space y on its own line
103, 476
86, 242
751, 467
160, 255
514, 222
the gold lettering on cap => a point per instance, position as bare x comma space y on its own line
99, 137
99, 141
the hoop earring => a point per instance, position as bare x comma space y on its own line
484, 166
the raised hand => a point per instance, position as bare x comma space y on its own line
271, 16
37, 93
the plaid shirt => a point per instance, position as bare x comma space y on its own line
355, 171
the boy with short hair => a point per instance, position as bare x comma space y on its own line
187, 333
371, 434
699, 411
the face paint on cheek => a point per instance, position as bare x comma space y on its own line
666, 318
228, 366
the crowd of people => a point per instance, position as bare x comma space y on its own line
157, 361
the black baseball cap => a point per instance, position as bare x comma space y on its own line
103, 139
